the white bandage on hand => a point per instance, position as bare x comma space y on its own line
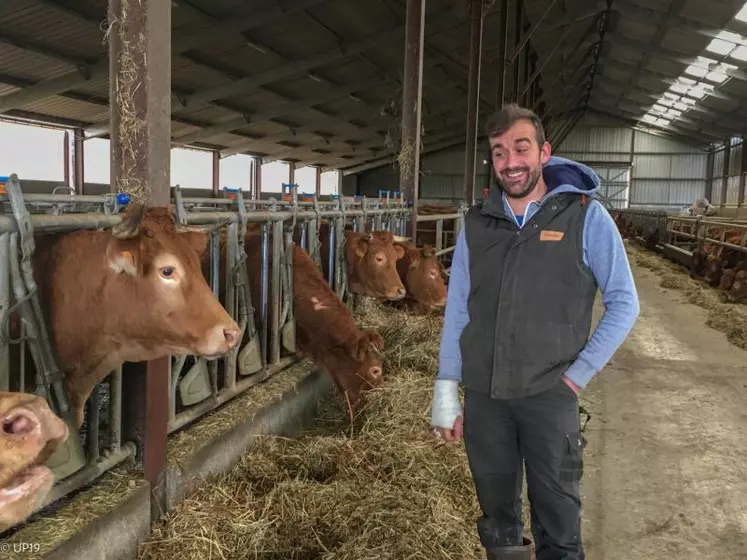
446, 405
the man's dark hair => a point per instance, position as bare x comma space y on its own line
503, 119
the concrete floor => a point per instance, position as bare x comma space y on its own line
665, 468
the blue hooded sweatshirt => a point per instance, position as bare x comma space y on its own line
603, 252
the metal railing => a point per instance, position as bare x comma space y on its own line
687, 233
197, 386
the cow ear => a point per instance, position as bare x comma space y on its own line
358, 241
197, 240
123, 256
399, 250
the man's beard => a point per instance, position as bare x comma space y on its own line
522, 188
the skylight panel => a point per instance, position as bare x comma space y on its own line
717, 77
742, 14
719, 46
740, 53
697, 71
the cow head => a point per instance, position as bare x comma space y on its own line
714, 269
353, 376
727, 279
423, 275
738, 291
30, 434
168, 307
375, 256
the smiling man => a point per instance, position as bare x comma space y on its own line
525, 273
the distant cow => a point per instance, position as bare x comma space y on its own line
423, 276
326, 329
30, 434
371, 260
134, 293
738, 291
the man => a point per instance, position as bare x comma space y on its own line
525, 272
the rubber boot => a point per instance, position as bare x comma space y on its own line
522, 552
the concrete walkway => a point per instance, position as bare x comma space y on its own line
666, 463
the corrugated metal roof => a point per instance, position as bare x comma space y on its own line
644, 51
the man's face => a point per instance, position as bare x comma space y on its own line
518, 159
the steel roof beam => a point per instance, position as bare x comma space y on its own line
649, 16
182, 42
438, 121
262, 117
697, 135
668, 54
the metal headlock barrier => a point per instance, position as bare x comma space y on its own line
197, 386
679, 236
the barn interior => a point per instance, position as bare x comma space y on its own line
391, 98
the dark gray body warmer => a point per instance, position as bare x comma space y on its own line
530, 299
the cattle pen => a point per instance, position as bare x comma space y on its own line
224, 170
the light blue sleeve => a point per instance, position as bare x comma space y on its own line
604, 253
455, 314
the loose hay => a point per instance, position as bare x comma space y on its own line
729, 318
390, 491
48, 532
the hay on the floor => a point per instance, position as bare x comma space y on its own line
729, 318
108, 492
388, 491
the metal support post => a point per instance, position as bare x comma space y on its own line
79, 161
742, 172
725, 175
503, 52
140, 118
216, 173
516, 66
412, 93
473, 98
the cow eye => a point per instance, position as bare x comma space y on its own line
379, 259
167, 272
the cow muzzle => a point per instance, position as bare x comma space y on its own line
219, 340
34, 432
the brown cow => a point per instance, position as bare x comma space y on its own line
371, 260
738, 291
134, 293
326, 329
31, 433
423, 276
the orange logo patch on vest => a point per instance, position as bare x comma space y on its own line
549, 235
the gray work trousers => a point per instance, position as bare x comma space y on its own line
543, 432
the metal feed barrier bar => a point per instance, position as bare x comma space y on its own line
27, 360
682, 235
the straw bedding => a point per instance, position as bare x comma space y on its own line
384, 487
729, 318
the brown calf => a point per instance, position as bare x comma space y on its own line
30, 434
134, 293
371, 260
326, 329
423, 276
738, 291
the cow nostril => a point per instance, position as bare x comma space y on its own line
19, 424
401, 291
231, 335
375, 372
